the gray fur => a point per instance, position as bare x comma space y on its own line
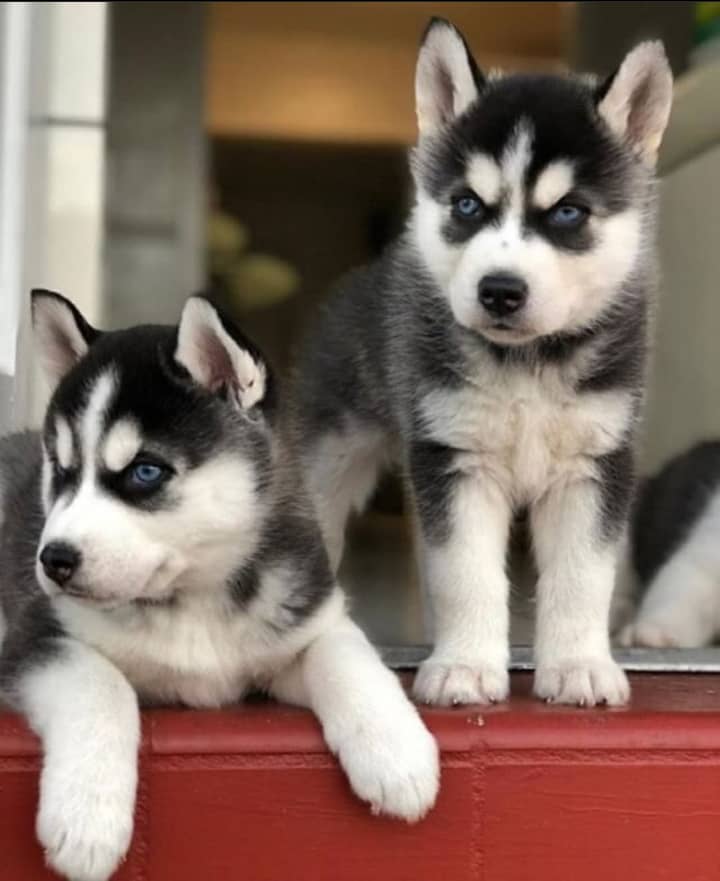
31, 627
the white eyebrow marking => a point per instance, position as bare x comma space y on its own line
93, 419
122, 443
64, 444
515, 161
483, 176
554, 181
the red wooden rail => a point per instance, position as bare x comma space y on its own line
529, 792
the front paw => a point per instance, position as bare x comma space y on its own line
585, 682
448, 684
661, 635
85, 829
394, 767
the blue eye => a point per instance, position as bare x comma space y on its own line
467, 205
146, 474
567, 216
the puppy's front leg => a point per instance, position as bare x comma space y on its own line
577, 555
389, 756
464, 521
86, 714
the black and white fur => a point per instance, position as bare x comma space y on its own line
209, 582
675, 544
531, 409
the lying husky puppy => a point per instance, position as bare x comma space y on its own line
497, 349
156, 543
676, 553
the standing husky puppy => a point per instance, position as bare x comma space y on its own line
499, 348
156, 541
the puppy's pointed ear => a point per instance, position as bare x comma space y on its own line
62, 335
217, 357
635, 102
447, 79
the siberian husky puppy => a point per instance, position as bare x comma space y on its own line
497, 350
156, 543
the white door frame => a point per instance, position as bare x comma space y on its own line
52, 178
14, 109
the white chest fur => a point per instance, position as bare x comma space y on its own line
527, 430
201, 652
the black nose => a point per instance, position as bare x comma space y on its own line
501, 294
59, 560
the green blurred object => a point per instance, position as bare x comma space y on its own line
249, 281
707, 22
259, 280
227, 238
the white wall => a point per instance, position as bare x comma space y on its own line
684, 394
64, 174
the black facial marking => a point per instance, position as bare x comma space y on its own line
173, 414
64, 481
125, 486
573, 239
561, 116
561, 119
458, 229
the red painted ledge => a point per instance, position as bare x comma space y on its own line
529, 792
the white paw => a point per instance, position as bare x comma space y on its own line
394, 766
448, 684
85, 831
648, 634
584, 682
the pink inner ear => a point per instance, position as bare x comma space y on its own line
446, 91
641, 112
60, 349
216, 361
